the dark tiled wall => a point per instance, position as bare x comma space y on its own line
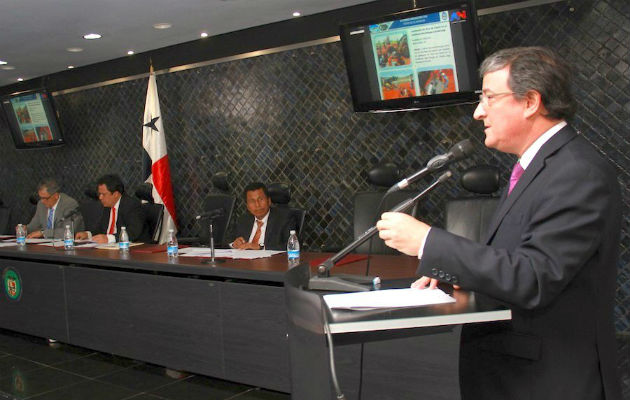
288, 117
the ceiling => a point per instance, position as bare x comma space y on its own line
37, 33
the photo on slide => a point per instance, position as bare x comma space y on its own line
392, 50
397, 84
436, 81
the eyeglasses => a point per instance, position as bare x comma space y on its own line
484, 99
46, 198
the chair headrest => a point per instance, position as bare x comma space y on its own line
33, 198
219, 181
91, 191
280, 193
384, 175
145, 192
482, 179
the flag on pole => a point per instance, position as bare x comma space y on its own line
155, 160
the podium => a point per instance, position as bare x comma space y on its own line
406, 353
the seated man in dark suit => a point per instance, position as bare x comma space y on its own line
264, 226
54, 211
120, 210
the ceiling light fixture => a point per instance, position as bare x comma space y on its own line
7, 67
70, 66
92, 36
297, 13
162, 25
74, 49
3, 62
20, 79
130, 52
204, 34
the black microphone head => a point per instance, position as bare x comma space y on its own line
462, 150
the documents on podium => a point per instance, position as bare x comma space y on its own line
391, 298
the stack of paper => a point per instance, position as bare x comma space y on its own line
391, 298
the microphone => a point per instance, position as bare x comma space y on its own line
217, 212
458, 152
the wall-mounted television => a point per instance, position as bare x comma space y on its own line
421, 58
32, 119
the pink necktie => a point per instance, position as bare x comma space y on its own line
517, 171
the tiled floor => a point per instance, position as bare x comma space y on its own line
30, 368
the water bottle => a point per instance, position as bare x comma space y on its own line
293, 250
20, 235
123, 242
171, 245
68, 238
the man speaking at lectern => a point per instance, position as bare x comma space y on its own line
551, 250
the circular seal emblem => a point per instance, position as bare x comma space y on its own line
12, 284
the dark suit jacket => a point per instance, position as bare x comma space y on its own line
131, 216
551, 257
279, 224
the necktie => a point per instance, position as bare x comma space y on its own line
256, 238
517, 171
112, 225
49, 222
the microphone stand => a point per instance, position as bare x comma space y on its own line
212, 261
323, 280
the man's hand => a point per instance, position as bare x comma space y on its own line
425, 280
81, 235
100, 238
35, 235
240, 243
402, 232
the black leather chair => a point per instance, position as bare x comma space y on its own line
219, 198
280, 194
153, 213
470, 216
5, 220
91, 209
366, 211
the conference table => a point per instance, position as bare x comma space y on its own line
227, 321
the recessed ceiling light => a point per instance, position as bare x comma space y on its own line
130, 52
204, 34
296, 13
70, 66
162, 25
92, 36
20, 79
7, 67
74, 49
3, 62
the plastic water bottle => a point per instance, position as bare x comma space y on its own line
20, 235
293, 250
68, 238
171, 245
123, 242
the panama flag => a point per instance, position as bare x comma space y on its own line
155, 160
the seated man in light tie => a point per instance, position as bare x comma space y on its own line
120, 210
54, 211
264, 226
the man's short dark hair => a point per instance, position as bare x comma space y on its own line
255, 186
539, 69
50, 184
112, 182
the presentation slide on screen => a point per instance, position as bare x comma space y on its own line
414, 56
31, 117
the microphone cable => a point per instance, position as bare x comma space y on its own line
331, 357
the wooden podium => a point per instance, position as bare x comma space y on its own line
407, 353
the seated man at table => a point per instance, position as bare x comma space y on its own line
264, 226
54, 211
120, 210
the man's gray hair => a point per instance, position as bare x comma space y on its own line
50, 184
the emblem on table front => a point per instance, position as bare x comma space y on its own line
12, 284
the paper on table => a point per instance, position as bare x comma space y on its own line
227, 253
7, 244
391, 298
114, 246
252, 254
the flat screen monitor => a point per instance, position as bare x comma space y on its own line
32, 119
422, 58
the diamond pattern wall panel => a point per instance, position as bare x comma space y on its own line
288, 117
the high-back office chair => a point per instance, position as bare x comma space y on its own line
366, 213
91, 209
153, 213
5, 219
220, 198
470, 216
280, 194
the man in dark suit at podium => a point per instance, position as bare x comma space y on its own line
120, 210
551, 251
263, 227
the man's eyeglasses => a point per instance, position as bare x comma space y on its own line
484, 99
46, 198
